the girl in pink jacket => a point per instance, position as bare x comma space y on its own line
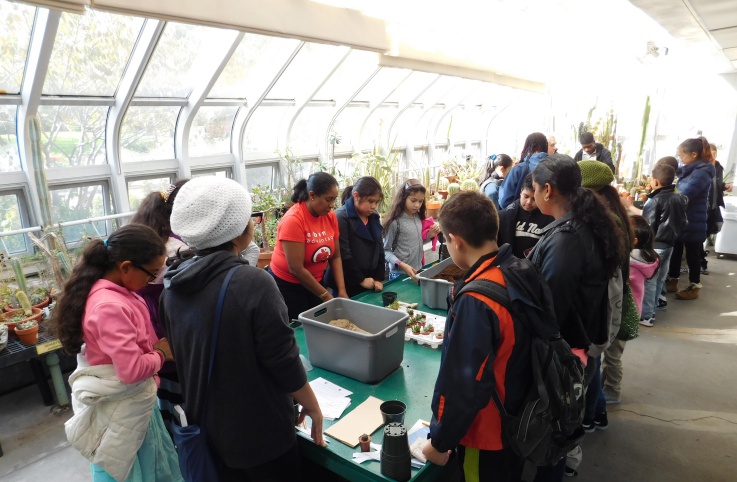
644, 261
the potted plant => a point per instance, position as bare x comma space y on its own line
27, 331
25, 313
39, 298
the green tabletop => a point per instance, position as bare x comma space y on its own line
412, 383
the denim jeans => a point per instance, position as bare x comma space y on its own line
595, 401
654, 285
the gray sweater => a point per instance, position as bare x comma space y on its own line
409, 243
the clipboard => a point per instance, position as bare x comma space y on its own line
365, 418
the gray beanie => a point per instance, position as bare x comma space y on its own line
209, 211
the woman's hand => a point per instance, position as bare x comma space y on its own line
326, 296
378, 286
432, 455
433, 231
163, 344
306, 397
367, 283
343, 294
409, 271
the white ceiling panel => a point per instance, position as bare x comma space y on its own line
731, 53
716, 14
727, 37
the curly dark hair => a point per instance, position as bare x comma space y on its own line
133, 242
411, 186
535, 142
609, 196
155, 209
563, 173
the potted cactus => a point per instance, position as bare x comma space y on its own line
27, 331
25, 313
453, 188
38, 297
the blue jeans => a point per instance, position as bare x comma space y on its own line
654, 285
595, 401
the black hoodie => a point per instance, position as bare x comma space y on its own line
250, 416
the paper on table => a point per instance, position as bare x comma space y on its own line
332, 407
365, 418
324, 388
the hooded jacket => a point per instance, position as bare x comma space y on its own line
640, 270
694, 182
602, 155
665, 211
512, 184
250, 414
361, 249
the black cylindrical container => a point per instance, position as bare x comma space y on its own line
395, 457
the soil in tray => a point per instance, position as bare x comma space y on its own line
451, 273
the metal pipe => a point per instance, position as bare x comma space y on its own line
52, 360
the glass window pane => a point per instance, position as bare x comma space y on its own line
81, 202
73, 135
210, 132
147, 133
425, 123
262, 130
9, 159
348, 124
308, 131
90, 53
259, 176
411, 87
139, 189
181, 59
11, 219
382, 83
16, 24
349, 76
253, 65
438, 90
403, 128
224, 174
376, 127
307, 69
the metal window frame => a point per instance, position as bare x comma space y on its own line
108, 202
21, 194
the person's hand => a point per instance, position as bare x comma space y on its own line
432, 455
163, 344
367, 283
316, 417
409, 271
343, 294
434, 231
728, 187
327, 296
378, 286
626, 202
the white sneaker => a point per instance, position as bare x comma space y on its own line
647, 322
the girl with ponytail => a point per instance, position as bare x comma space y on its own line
100, 318
695, 178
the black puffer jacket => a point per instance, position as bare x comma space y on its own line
572, 261
665, 211
602, 155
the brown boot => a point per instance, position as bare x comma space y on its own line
691, 292
671, 285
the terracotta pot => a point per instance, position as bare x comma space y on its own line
46, 301
29, 336
37, 314
443, 193
264, 259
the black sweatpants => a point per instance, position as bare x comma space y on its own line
693, 259
285, 468
298, 298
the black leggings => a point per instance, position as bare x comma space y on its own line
285, 468
297, 297
693, 259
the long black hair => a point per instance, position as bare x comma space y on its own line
155, 209
535, 142
318, 182
411, 186
609, 196
563, 174
133, 242
494, 161
365, 186
645, 238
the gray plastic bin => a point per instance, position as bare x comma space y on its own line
366, 358
435, 291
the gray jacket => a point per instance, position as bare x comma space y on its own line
408, 247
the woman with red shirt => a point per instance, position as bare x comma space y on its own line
307, 241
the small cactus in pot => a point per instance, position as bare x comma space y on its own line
469, 185
453, 188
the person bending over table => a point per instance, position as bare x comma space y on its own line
307, 242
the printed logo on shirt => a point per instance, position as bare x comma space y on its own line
529, 230
322, 254
318, 238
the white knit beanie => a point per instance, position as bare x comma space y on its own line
209, 211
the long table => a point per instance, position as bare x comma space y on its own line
412, 383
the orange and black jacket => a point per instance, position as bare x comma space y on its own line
483, 349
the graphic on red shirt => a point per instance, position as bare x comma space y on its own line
322, 254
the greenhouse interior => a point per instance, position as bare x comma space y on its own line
103, 102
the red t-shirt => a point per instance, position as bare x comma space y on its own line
320, 236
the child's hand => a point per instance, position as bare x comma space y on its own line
367, 283
378, 286
163, 344
728, 187
433, 231
432, 455
409, 271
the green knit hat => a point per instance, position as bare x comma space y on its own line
595, 174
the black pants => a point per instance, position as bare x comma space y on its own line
693, 259
285, 468
297, 297
490, 465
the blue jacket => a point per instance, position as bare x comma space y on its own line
694, 182
512, 185
491, 187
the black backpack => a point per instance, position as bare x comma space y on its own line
549, 425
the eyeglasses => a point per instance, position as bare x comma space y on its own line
151, 276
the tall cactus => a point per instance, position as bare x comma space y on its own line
20, 277
25, 304
39, 170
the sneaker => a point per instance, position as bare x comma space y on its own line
671, 285
662, 305
691, 292
600, 421
704, 271
647, 322
610, 400
570, 472
589, 425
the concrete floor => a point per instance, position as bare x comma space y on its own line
677, 420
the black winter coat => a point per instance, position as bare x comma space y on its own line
602, 155
665, 211
361, 249
695, 182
